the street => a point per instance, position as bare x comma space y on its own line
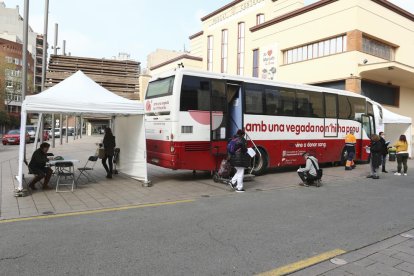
229, 234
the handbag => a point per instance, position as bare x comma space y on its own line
101, 153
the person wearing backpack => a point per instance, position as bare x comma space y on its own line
309, 173
239, 159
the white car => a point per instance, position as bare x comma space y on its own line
32, 132
57, 133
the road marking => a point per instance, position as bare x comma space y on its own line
303, 263
97, 211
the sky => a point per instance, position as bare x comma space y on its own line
104, 28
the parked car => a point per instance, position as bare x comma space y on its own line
32, 132
13, 137
71, 131
57, 133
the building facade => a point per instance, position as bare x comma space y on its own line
362, 46
11, 76
11, 57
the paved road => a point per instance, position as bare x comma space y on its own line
234, 234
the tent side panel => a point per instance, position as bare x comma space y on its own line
130, 138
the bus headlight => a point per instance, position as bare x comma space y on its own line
172, 149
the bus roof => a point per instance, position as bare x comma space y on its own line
206, 74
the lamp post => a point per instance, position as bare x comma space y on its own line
44, 58
22, 147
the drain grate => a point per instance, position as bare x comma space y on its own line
205, 196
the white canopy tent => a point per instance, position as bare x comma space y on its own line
395, 125
80, 95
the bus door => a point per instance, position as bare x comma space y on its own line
218, 118
225, 114
368, 125
234, 103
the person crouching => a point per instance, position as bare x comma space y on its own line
308, 174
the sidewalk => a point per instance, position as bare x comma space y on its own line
393, 256
168, 185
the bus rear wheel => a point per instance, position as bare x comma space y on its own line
260, 162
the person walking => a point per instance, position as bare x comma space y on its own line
239, 159
384, 151
376, 155
309, 173
402, 154
350, 142
37, 166
109, 149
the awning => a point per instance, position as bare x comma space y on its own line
392, 72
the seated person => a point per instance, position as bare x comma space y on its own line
38, 167
308, 174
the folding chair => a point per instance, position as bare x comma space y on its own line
66, 170
85, 171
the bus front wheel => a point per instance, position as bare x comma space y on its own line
260, 162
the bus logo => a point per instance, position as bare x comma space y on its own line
148, 106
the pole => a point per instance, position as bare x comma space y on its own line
44, 57
56, 39
60, 129
22, 147
24, 50
76, 129
67, 129
53, 130
64, 48
81, 126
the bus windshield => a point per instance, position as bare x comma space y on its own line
160, 87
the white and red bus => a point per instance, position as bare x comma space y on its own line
190, 115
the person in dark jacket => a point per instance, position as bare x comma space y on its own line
384, 151
376, 154
37, 166
240, 160
109, 148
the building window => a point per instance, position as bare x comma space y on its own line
224, 47
315, 49
210, 53
382, 93
240, 49
377, 48
256, 63
260, 18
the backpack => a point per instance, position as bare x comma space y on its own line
232, 146
319, 172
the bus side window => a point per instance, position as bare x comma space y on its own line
288, 98
195, 94
273, 102
331, 106
254, 100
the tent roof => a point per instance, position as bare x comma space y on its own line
78, 94
390, 117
